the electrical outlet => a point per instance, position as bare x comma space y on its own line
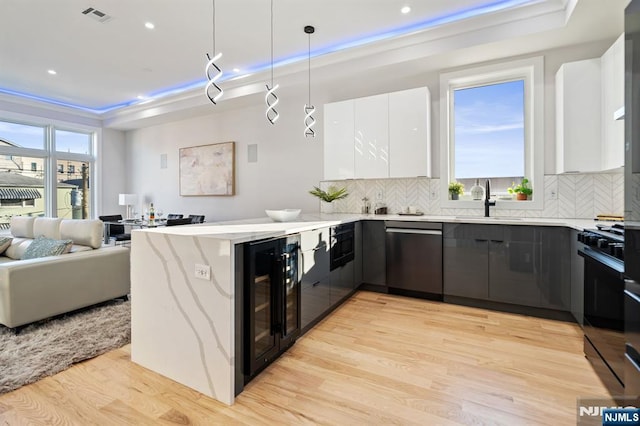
203, 271
552, 194
379, 196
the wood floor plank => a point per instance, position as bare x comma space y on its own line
377, 359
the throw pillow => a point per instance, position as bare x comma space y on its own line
5, 242
42, 247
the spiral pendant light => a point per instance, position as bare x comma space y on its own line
271, 99
212, 70
309, 120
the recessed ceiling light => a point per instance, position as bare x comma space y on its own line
52, 72
149, 25
236, 70
141, 97
405, 10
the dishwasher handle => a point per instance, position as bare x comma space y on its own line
413, 231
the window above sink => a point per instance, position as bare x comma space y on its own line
492, 127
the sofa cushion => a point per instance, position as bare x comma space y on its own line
43, 246
85, 232
47, 227
22, 226
17, 248
5, 242
75, 248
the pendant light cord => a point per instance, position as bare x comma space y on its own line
213, 28
309, 63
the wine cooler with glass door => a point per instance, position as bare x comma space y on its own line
272, 301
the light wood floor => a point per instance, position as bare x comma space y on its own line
378, 359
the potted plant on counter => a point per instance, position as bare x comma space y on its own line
456, 189
522, 190
330, 195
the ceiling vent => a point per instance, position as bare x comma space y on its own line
96, 14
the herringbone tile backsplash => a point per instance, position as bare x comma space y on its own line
581, 196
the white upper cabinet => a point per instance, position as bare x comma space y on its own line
378, 136
613, 101
371, 137
589, 94
578, 112
338, 140
409, 133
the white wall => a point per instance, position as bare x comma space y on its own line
288, 163
112, 172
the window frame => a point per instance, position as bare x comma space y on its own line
50, 156
531, 70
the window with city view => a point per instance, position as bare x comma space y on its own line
29, 154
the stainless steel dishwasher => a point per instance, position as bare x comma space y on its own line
414, 258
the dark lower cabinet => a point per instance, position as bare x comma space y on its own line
577, 278
315, 280
342, 282
315, 300
323, 288
515, 264
465, 259
555, 267
374, 259
316, 284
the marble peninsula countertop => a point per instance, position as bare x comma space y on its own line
244, 230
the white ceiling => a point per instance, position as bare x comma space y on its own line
106, 65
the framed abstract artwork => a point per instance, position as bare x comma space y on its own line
208, 170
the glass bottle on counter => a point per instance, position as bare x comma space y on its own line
152, 215
477, 191
366, 205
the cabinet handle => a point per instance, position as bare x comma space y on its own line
479, 240
497, 241
315, 284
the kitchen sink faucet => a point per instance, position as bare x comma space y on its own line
487, 195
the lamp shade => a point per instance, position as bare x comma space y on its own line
127, 199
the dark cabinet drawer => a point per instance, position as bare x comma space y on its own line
315, 300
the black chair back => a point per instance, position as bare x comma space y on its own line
196, 218
113, 229
182, 221
174, 216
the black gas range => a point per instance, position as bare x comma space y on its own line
604, 285
606, 239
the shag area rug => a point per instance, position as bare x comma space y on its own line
46, 348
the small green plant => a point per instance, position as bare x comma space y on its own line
331, 194
522, 188
456, 188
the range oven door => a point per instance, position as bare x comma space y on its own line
604, 317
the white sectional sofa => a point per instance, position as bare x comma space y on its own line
33, 289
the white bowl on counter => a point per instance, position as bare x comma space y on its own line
283, 215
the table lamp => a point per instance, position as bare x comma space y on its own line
128, 200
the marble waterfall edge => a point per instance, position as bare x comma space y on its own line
182, 326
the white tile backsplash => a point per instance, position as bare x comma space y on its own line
565, 196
